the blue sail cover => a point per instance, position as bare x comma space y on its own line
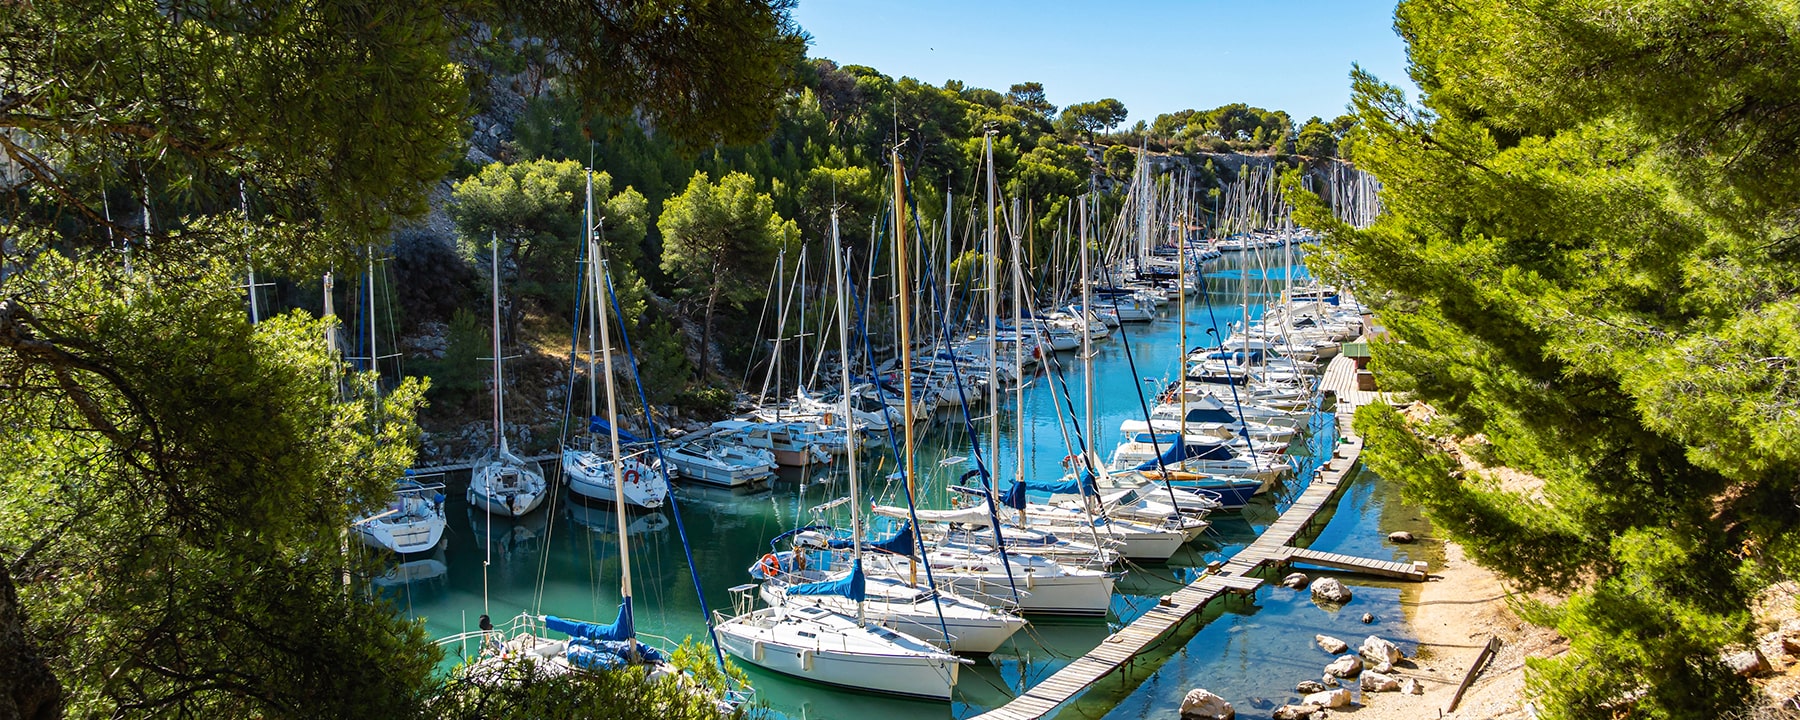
900, 544
1178, 452
851, 586
620, 629
609, 654
1014, 497
597, 424
1210, 415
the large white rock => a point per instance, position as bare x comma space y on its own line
1410, 686
1376, 682
1348, 666
1748, 662
1295, 580
1377, 651
1330, 698
1201, 704
1330, 644
1330, 590
1302, 711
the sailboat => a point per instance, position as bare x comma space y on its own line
822, 644
586, 646
504, 484
587, 473
943, 618
412, 520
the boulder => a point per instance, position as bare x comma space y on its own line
1330, 698
1303, 711
1410, 686
1201, 704
1368, 618
1295, 580
1376, 651
1748, 662
1376, 682
1348, 666
1331, 645
1383, 667
1308, 687
1400, 537
1328, 681
1773, 648
1330, 590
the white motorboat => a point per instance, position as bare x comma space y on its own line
591, 476
717, 461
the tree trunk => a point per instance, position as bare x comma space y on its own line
28, 690
712, 302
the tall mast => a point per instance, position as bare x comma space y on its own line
587, 236
1087, 350
1181, 260
843, 300
1018, 274
499, 378
612, 420
904, 319
993, 298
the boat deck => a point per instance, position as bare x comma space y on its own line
1272, 548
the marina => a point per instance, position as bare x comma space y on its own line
538, 563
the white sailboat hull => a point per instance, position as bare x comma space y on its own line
829, 658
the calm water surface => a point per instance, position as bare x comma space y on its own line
564, 560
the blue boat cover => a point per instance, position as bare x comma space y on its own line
900, 544
620, 629
1014, 497
597, 424
608, 654
1210, 415
851, 586
1178, 452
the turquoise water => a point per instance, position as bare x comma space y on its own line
564, 560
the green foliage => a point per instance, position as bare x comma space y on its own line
182, 475
461, 373
1089, 118
535, 207
1587, 247
1316, 140
1030, 96
520, 694
721, 241
1120, 162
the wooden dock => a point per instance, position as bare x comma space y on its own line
1272, 548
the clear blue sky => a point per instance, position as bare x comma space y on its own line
1156, 56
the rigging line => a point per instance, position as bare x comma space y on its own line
1256, 462
912, 511
1181, 438
662, 468
969, 427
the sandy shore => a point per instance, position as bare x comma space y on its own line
1453, 615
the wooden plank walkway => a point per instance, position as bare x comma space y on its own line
1383, 568
1270, 548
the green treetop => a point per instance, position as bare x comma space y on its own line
720, 240
1587, 245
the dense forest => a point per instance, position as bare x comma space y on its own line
1588, 247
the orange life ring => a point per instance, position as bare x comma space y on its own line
631, 476
771, 565
1070, 460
